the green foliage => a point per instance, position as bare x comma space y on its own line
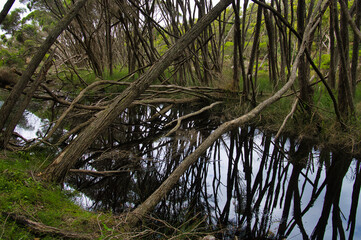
325, 61
24, 33
12, 21
22, 193
8, 58
228, 48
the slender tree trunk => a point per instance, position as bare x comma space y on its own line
6, 10
304, 68
332, 70
108, 36
254, 51
245, 90
345, 98
272, 58
356, 45
236, 46
57, 170
14, 96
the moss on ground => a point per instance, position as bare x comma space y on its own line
21, 194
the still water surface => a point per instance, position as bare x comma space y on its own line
245, 182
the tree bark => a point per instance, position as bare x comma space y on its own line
134, 217
108, 36
236, 46
6, 10
332, 70
14, 96
272, 56
57, 170
356, 44
345, 99
255, 48
304, 68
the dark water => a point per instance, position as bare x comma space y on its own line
245, 182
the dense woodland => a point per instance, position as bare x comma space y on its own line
84, 62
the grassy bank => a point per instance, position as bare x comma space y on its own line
31, 209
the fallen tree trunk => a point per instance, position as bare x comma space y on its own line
39, 228
58, 169
135, 216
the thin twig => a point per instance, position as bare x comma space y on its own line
294, 106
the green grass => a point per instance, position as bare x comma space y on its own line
21, 193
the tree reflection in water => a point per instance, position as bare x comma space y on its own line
245, 183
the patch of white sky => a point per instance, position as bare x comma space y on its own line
17, 4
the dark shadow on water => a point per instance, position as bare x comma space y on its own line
245, 183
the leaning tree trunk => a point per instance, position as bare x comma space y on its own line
134, 217
6, 9
18, 112
57, 170
14, 96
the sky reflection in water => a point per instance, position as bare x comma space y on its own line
258, 180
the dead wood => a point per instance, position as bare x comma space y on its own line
99, 173
179, 120
294, 106
135, 216
72, 105
39, 228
